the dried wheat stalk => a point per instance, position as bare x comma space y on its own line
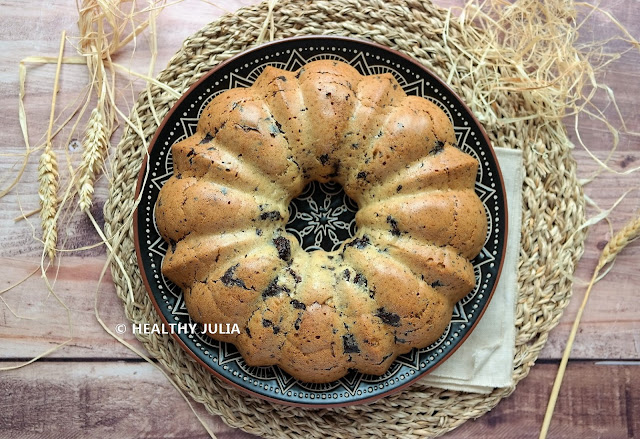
98, 130
48, 174
105, 26
627, 234
95, 145
620, 240
48, 192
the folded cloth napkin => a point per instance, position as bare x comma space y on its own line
485, 360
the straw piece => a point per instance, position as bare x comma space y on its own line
147, 78
268, 23
24, 279
53, 60
22, 116
37, 357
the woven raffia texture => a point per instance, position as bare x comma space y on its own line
553, 208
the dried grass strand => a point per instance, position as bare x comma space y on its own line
22, 117
538, 40
152, 62
37, 357
112, 16
98, 130
53, 60
268, 24
12, 311
147, 78
24, 279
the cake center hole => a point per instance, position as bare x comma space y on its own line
322, 217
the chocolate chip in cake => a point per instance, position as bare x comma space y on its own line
275, 128
362, 175
296, 277
273, 215
349, 344
246, 128
266, 323
359, 279
437, 149
394, 226
273, 289
207, 138
284, 247
436, 284
336, 170
324, 158
387, 317
297, 304
359, 243
230, 280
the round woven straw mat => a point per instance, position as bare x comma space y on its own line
553, 208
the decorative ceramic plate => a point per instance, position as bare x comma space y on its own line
321, 218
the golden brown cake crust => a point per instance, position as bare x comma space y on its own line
389, 289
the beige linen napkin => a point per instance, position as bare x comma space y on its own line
485, 360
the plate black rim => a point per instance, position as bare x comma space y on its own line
318, 40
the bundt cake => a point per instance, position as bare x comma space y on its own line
387, 290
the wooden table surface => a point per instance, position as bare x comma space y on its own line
95, 387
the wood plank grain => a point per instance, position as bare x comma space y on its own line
596, 401
99, 399
107, 399
43, 321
